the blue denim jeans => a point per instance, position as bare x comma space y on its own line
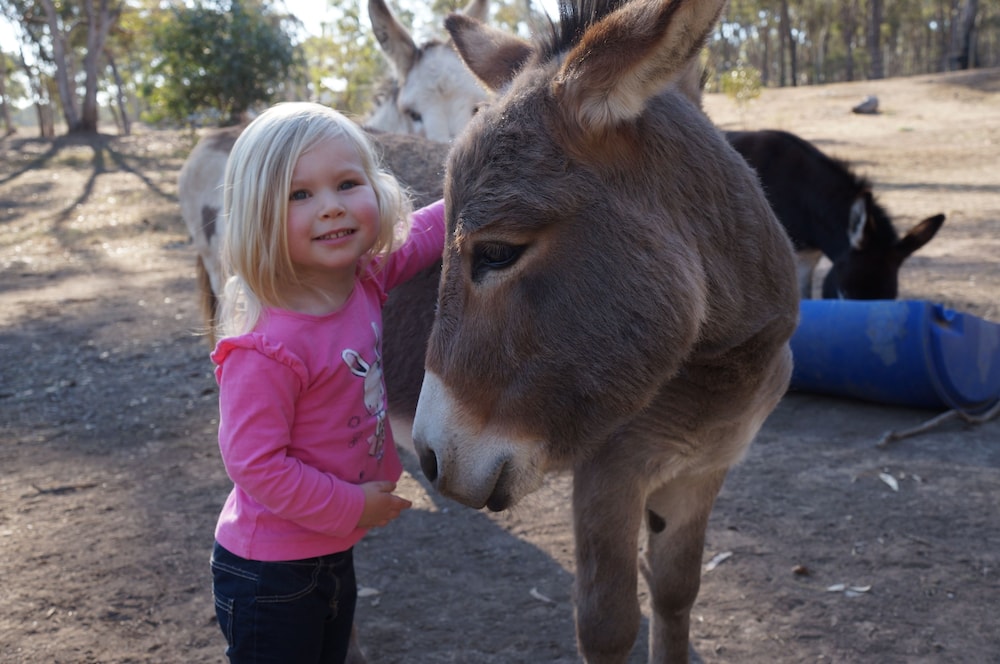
297, 611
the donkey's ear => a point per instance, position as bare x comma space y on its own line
858, 217
692, 81
477, 9
493, 55
396, 42
918, 236
631, 55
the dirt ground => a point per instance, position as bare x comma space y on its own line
110, 479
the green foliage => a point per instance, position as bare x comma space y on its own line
219, 59
741, 84
521, 18
14, 87
345, 64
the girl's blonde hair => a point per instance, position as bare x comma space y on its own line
255, 205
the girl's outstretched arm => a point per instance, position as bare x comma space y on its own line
422, 248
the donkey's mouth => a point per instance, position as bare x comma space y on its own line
500, 498
497, 487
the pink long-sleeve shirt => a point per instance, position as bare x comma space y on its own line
303, 417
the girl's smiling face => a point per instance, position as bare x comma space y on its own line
333, 216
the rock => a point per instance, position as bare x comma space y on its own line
868, 106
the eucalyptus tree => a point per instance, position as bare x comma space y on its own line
6, 65
68, 36
222, 57
963, 48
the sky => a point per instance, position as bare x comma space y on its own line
7, 39
311, 12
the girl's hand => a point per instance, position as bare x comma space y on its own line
381, 506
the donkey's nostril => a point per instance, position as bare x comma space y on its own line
428, 463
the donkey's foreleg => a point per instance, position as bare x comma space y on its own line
208, 300
805, 269
607, 514
355, 655
677, 516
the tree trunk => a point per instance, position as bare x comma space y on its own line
43, 105
875, 41
825, 51
963, 47
63, 79
765, 69
793, 64
8, 125
99, 22
89, 117
944, 16
848, 25
126, 123
783, 39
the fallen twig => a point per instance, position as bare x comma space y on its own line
892, 436
66, 488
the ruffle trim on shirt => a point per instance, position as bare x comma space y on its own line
274, 350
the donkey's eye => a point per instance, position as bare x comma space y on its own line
414, 115
490, 256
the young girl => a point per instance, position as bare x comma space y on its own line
316, 234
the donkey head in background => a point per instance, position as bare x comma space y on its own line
433, 94
829, 210
869, 270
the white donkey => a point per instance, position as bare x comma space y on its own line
434, 96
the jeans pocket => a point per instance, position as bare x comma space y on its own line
286, 581
234, 584
225, 612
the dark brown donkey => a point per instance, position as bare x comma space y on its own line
829, 210
616, 298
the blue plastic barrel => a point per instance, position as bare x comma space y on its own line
903, 352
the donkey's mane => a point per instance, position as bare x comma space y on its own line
883, 228
575, 16
859, 181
